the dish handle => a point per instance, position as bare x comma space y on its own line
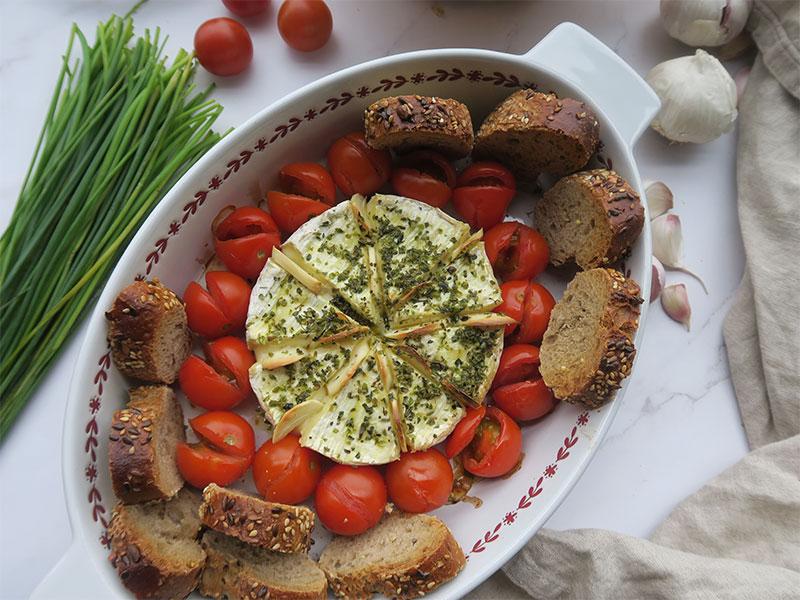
74, 576
617, 89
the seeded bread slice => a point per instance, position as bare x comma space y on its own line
148, 333
239, 570
590, 218
587, 348
142, 445
154, 547
405, 123
534, 133
403, 556
275, 526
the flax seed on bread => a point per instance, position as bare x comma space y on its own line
405, 123
587, 349
148, 333
533, 133
154, 546
277, 527
590, 218
142, 445
403, 556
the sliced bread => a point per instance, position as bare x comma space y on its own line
587, 348
590, 218
154, 546
405, 123
142, 444
278, 527
238, 570
403, 556
532, 133
148, 333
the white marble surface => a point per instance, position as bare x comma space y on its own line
679, 425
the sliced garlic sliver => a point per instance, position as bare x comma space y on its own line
295, 417
291, 267
343, 375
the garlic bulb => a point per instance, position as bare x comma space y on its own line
705, 22
698, 98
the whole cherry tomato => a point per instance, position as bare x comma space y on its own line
357, 168
222, 309
350, 500
518, 388
285, 471
290, 211
425, 175
419, 481
223, 46
483, 192
225, 382
305, 25
496, 446
310, 180
244, 239
246, 8
530, 304
464, 431
516, 251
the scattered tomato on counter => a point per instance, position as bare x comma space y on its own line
482, 194
285, 471
225, 382
490, 442
246, 8
222, 309
357, 168
244, 238
308, 190
223, 46
516, 251
530, 304
419, 481
426, 176
350, 500
518, 388
305, 25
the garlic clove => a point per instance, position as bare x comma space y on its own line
668, 244
675, 301
658, 279
658, 196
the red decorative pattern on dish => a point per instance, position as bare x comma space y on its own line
92, 430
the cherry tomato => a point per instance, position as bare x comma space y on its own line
222, 384
285, 471
518, 388
350, 500
225, 431
200, 465
513, 293
308, 179
357, 168
483, 192
535, 315
246, 8
464, 431
223, 46
305, 25
420, 481
425, 175
222, 309
290, 211
516, 251
496, 447
244, 240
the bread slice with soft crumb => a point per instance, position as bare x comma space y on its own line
403, 556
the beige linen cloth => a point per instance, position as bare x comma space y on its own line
739, 536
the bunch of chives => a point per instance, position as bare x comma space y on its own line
122, 127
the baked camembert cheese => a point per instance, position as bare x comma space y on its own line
372, 329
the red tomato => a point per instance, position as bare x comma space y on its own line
200, 465
223, 385
357, 168
483, 192
305, 25
464, 431
226, 432
220, 310
223, 46
516, 251
350, 500
246, 8
308, 179
285, 471
425, 175
290, 211
513, 293
244, 240
420, 481
496, 447
518, 388
535, 315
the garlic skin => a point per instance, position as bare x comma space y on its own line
698, 98
675, 301
668, 244
658, 280
705, 22
658, 196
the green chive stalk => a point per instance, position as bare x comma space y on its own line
122, 127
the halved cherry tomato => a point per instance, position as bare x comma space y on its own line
290, 211
305, 25
244, 240
246, 8
425, 175
223, 46
285, 471
496, 447
350, 500
464, 431
357, 168
420, 481
226, 431
530, 304
200, 465
222, 309
518, 388
223, 385
483, 192
310, 180
516, 251
513, 293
